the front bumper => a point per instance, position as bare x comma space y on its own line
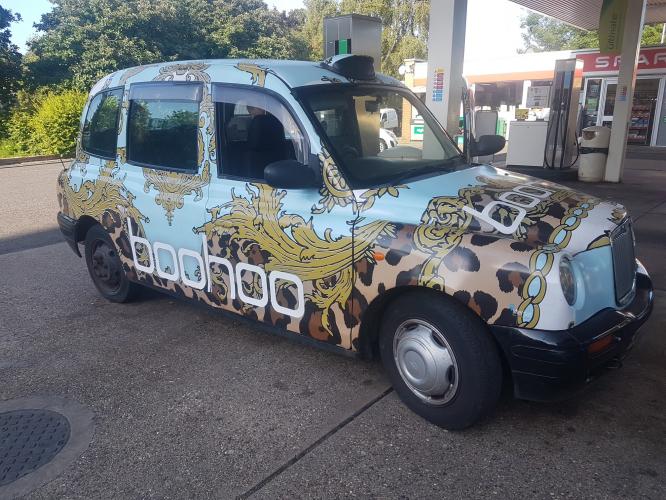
68, 230
550, 365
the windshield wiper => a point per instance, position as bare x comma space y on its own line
443, 166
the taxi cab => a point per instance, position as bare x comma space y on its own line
261, 188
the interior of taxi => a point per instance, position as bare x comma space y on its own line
250, 139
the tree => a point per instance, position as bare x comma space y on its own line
541, 33
81, 40
10, 66
404, 26
652, 34
312, 31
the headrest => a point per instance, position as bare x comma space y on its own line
265, 132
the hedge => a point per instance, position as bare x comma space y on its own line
44, 123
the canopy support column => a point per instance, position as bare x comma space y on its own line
446, 51
624, 96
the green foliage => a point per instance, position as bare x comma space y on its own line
10, 67
44, 123
82, 40
541, 34
6, 150
312, 29
652, 34
56, 122
20, 133
106, 115
404, 27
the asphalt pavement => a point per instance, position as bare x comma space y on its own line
188, 403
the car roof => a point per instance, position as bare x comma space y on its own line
250, 71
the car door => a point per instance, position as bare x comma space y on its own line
281, 256
167, 170
96, 151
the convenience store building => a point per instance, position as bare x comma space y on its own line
647, 126
502, 84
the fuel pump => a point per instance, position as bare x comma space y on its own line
561, 149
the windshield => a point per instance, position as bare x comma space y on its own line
380, 134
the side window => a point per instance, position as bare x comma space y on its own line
163, 125
254, 129
100, 128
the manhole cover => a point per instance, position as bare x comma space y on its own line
28, 440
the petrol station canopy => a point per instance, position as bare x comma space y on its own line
585, 13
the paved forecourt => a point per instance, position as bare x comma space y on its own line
190, 403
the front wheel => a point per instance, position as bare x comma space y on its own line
105, 267
382, 145
441, 359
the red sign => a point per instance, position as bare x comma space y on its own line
648, 59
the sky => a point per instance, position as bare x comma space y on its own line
493, 26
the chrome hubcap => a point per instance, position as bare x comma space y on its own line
425, 362
105, 266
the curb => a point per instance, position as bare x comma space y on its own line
30, 160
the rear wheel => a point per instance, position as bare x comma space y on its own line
441, 359
105, 267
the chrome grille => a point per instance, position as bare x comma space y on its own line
624, 261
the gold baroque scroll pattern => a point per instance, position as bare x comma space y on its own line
124, 110
172, 187
107, 193
293, 244
189, 72
336, 192
131, 72
541, 262
257, 73
207, 124
442, 227
444, 223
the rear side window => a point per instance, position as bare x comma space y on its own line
163, 124
100, 128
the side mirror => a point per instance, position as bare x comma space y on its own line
488, 145
289, 174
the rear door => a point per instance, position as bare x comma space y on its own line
166, 170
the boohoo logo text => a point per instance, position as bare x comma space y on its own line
204, 262
519, 200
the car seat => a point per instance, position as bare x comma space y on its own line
265, 144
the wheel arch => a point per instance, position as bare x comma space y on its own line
83, 225
370, 325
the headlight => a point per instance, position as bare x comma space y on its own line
568, 281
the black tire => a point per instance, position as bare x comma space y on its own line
475, 376
382, 145
106, 269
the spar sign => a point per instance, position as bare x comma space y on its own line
648, 59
